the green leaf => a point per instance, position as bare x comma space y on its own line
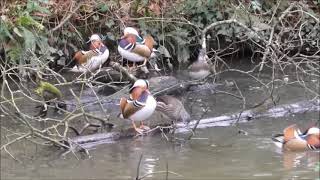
29, 39
219, 15
34, 6
4, 32
103, 7
27, 21
14, 54
42, 43
111, 36
109, 23
95, 17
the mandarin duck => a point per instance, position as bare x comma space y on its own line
49, 93
94, 58
140, 105
173, 108
134, 48
292, 139
200, 68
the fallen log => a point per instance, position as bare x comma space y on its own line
158, 86
93, 140
245, 116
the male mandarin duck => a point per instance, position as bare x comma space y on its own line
140, 105
94, 58
200, 68
292, 139
134, 48
173, 108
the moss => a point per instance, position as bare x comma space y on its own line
45, 86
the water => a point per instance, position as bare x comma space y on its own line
213, 153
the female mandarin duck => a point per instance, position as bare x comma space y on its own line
94, 58
200, 68
173, 108
140, 105
134, 48
292, 139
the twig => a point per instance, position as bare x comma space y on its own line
138, 167
67, 18
193, 130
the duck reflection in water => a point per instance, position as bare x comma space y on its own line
300, 159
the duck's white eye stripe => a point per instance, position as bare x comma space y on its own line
314, 130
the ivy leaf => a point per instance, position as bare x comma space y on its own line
95, 17
27, 21
14, 54
42, 43
109, 23
219, 15
34, 6
103, 7
29, 39
111, 36
4, 31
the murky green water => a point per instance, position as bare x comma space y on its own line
214, 153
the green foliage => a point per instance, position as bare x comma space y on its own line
27, 21
4, 31
103, 7
24, 35
33, 6
179, 38
203, 13
177, 34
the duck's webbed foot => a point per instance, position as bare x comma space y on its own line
141, 130
144, 63
144, 127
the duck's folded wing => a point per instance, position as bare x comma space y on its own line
129, 107
291, 132
142, 50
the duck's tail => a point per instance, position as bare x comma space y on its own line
278, 140
149, 42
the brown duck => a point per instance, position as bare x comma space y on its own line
173, 108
